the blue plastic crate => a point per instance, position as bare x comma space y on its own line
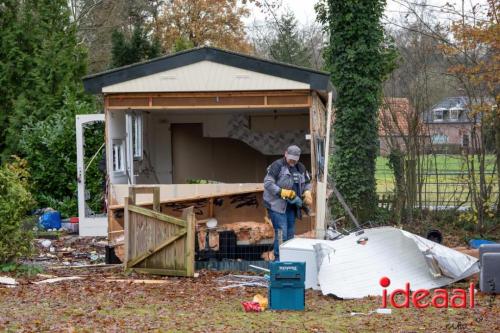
287, 285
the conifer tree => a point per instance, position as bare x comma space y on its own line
287, 46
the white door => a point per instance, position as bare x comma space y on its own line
88, 225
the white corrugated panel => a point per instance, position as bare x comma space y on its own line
353, 270
205, 76
302, 250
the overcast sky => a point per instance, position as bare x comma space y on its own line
304, 9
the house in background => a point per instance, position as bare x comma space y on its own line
444, 128
394, 115
449, 124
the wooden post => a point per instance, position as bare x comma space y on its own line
211, 207
156, 199
190, 217
126, 217
131, 195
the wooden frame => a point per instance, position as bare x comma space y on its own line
212, 100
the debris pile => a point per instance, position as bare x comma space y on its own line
70, 250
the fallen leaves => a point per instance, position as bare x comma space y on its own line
184, 304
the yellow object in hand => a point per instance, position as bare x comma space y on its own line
287, 194
307, 198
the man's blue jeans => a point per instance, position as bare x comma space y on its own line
284, 222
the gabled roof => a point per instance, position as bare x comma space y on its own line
316, 79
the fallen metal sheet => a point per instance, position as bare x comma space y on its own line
354, 265
302, 250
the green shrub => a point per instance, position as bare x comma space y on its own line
50, 148
15, 202
21, 269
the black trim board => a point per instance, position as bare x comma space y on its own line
316, 79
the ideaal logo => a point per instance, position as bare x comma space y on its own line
440, 297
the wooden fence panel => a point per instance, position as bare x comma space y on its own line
155, 242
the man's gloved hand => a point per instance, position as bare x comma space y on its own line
295, 201
307, 198
287, 194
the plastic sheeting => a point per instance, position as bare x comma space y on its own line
351, 267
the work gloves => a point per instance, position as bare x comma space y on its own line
295, 201
307, 198
287, 194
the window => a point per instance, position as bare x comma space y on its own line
438, 114
465, 140
118, 156
454, 114
439, 139
137, 135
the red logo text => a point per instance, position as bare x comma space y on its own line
440, 298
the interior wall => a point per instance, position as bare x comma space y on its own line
218, 159
270, 122
178, 146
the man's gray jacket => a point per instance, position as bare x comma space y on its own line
279, 176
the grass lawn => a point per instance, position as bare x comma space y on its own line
445, 181
195, 305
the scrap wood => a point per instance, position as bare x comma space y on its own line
213, 239
242, 281
138, 281
87, 266
268, 256
59, 279
251, 231
7, 281
465, 250
308, 234
46, 276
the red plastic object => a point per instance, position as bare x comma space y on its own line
251, 306
73, 219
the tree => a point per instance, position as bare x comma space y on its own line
49, 147
281, 38
15, 202
96, 21
359, 60
40, 58
287, 46
138, 48
41, 66
473, 53
216, 23
418, 77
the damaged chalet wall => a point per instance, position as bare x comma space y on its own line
220, 146
219, 159
269, 142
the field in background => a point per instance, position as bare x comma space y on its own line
444, 180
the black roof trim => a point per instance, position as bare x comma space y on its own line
318, 80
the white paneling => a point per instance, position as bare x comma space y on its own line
116, 126
205, 76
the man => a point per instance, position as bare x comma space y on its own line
286, 182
